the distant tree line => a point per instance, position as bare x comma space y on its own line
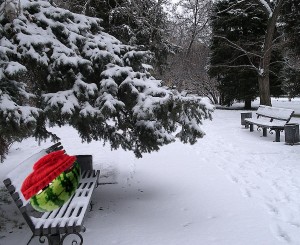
226, 50
62, 68
254, 49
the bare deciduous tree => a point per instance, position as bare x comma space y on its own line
264, 68
191, 32
272, 11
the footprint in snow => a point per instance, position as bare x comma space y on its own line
246, 192
280, 233
272, 209
187, 224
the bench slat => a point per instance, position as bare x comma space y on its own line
11, 189
68, 218
7, 182
21, 171
270, 117
71, 214
15, 196
266, 123
19, 203
55, 147
54, 229
274, 112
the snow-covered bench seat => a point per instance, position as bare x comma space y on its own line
270, 117
62, 222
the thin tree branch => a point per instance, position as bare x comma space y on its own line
265, 6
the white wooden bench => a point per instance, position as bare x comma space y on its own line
272, 118
60, 223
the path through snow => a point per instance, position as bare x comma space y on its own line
231, 188
266, 171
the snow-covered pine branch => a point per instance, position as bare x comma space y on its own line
265, 6
61, 67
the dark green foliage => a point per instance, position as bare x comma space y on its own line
60, 68
14, 125
238, 34
141, 23
291, 81
232, 67
291, 19
237, 84
291, 73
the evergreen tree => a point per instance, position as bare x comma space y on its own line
291, 19
291, 81
191, 32
61, 68
141, 23
75, 6
291, 29
238, 33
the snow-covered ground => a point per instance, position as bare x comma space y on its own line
276, 102
233, 187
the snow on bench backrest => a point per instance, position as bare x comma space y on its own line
275, 112
21, 171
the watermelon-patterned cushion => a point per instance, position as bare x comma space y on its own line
53, 181
58, 192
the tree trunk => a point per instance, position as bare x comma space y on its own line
194, 30
215, 99
264, 69
247, 104
221, 99
264, 90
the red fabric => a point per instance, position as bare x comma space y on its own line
45, 170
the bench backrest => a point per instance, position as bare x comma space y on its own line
275, 112
16, 177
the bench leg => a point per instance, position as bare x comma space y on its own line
265, 132
74, 240
277, 135
251, 127
54, 239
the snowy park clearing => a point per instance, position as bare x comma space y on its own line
232, 187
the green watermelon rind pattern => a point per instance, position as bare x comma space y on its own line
58, 192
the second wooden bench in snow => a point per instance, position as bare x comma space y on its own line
62, 222
268, 117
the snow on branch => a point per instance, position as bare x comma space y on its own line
266, 7
11, 111
61, 67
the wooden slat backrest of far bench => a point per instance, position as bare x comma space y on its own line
63, 221
274, 118
275, 113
